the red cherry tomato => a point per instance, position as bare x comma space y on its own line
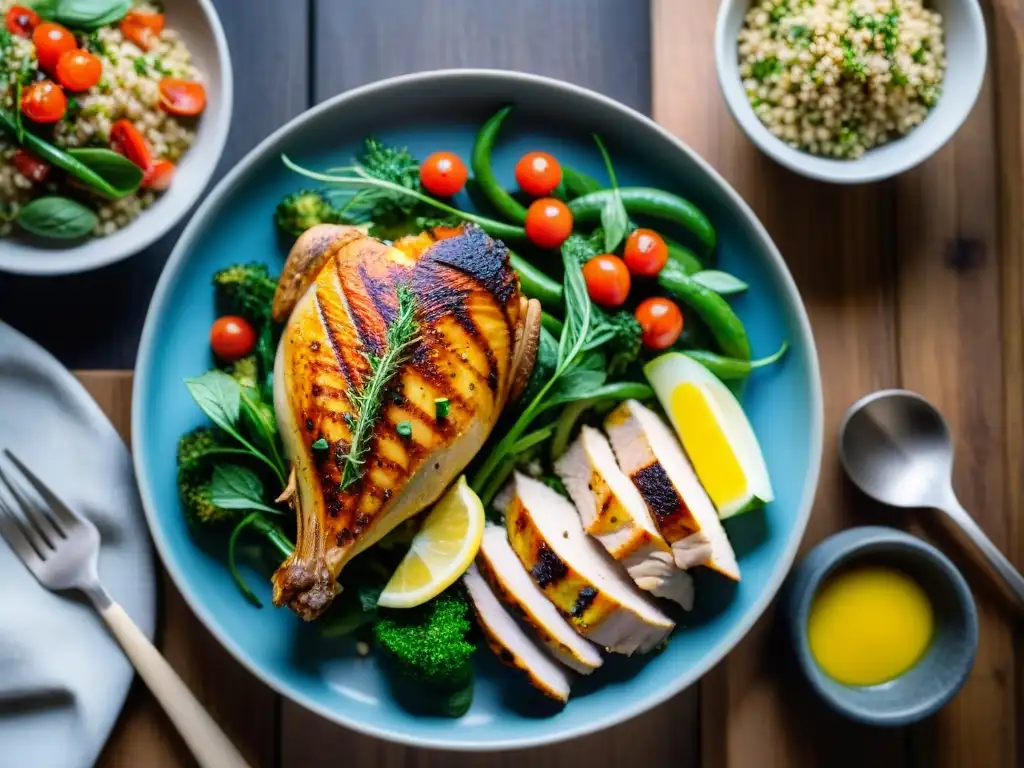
78, 70
607, 280
185, 98
142, 28
538, 174
52, 41
443, 174
661, 321
21, 20
645, 253
126, 140
232, 338
44, 102
30, 166
548, 222
159, 176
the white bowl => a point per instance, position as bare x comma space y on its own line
200, 28
966, 52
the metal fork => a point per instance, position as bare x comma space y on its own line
61, 549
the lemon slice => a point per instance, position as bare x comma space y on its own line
714, 431
441, 551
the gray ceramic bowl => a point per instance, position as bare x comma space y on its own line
200, 28
966, 51
924, 689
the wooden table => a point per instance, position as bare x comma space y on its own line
916, 282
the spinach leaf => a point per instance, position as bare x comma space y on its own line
721, 283
577, 312
85, 15
614, 219
456, 703
58, 218
117, 170
219, 397
235, 487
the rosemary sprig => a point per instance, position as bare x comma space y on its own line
402, 334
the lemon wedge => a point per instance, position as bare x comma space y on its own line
440, 552
714, 431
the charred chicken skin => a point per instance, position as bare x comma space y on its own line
474, 348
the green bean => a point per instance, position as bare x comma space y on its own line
536, 284
729, 368
63, 160
553, 324
647, 201
715, 311
686, 258
578, 184
480, 160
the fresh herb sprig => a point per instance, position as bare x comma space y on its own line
614, 218
402, 334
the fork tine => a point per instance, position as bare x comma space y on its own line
31, 513
61, 513
14, 532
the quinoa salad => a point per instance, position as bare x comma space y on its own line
95, 114
839, 77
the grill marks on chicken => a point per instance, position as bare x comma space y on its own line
469, 317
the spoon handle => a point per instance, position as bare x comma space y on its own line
1002, 565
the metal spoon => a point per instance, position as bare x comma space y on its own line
896, 448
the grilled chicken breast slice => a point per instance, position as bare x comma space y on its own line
616, 515
470, 317
593, 593
510, 643
511, 583
650, 454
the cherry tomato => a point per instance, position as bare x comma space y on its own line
126, 140
159, 176
645, 253
548, 222
661, 321
607, 280
52, 41
78, 70
182, 97
30, 166
142, 28
538, 174
443, 174
232, 338
44, 102
21, 20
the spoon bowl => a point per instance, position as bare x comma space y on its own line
897, 448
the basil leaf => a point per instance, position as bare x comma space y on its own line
577, 312
721, 283
83, 14
58, 218
219, 397
117, 170
235, 487
614, 219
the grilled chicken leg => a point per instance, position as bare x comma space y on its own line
339, 291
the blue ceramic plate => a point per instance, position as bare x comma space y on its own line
428, 112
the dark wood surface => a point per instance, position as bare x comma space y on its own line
291, 54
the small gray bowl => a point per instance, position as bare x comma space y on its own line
966, 54
929, 685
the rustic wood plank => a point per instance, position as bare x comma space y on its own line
245, 708
755, 709
599, 44
269, 90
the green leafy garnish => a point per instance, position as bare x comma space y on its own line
58, 218
140, 66
320, 445
404, 428
235, 487
442, 406
402, 334
614, 219
767, 67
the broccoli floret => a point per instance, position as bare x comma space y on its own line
247, 290
618, 334
301, 210
428, 644
246, 372
394, 164
195, 472
579, 248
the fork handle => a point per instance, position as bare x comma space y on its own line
209, 744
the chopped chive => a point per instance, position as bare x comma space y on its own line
442, 406
321, 445
404, 428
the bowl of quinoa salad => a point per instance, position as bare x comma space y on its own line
850, 91
113, 116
